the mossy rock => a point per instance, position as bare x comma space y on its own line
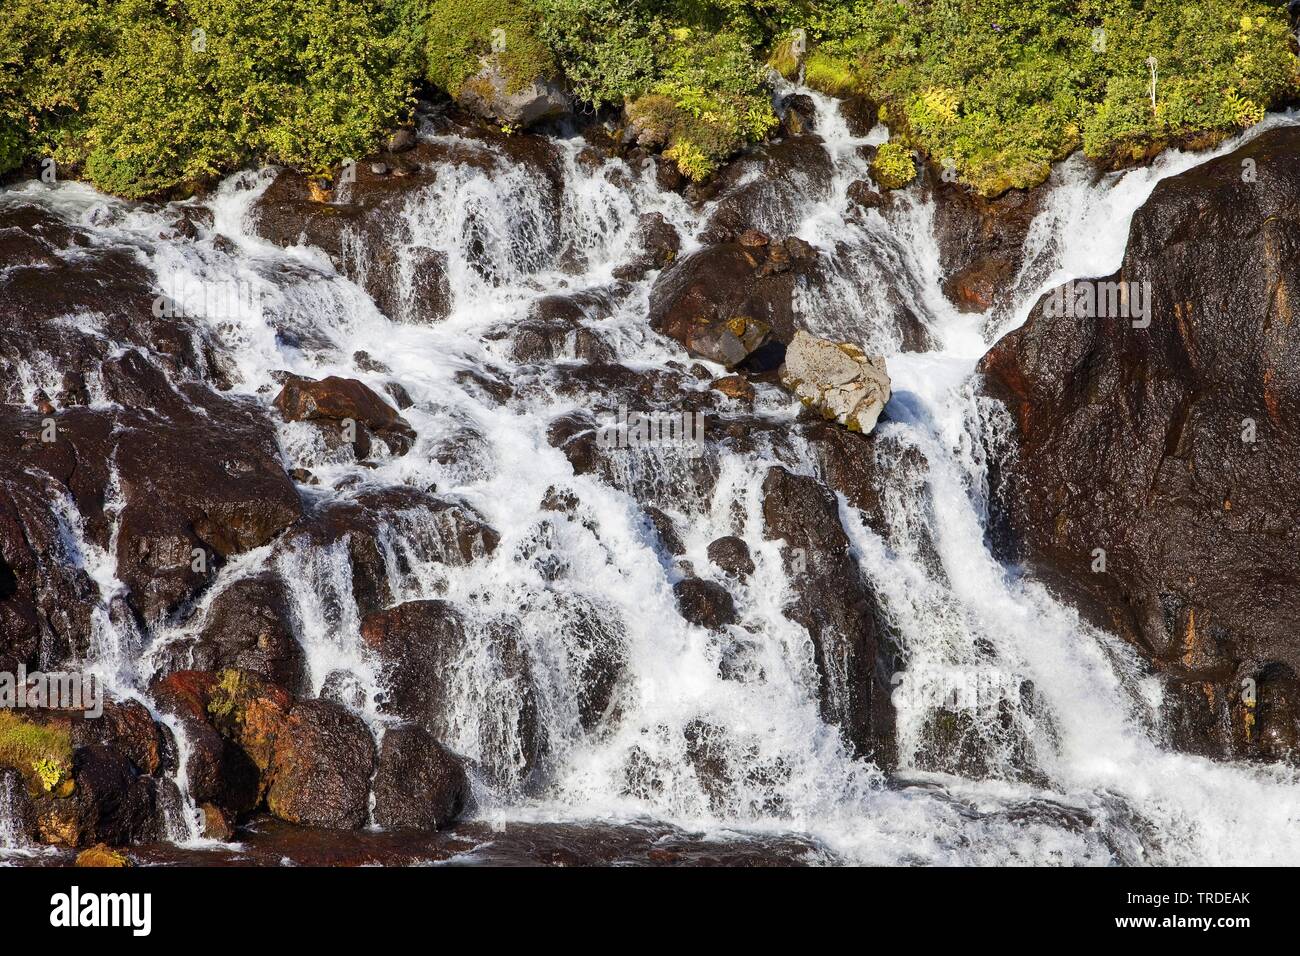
102, 856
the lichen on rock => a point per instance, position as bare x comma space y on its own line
837, 379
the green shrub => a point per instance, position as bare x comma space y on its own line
1002, 88
893, 166
455, 35
117, 90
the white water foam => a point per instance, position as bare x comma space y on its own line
1098, 788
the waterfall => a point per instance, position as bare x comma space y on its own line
1066, 769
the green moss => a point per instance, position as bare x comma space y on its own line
783, 57
831, 75
893, 166
226, 694
42, 753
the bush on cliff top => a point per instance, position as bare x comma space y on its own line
148, 96
119, 91
999, 89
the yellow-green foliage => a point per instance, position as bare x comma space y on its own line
126, 94
893, 166
226, 693
41, 753
457, 35
1002, 88
152, 96
831, 75
710, 101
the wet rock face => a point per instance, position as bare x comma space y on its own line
426, 647
557, 329
660, 243
321, 766
438, 530
250, 626
198, 477
705, 603
852, 650
364, 228
100, 780
346, 407
733, 303
1154, 475
763, 189
981, 242
420, 784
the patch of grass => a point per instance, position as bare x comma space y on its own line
42, 753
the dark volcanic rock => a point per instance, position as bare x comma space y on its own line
364, 228
250, 626
115, 803
429, 651
1154, 477
705, 603
733, 303
981, 241
853, 651
321, 766
732, 555
556, 329
766, 189
437, 530
333, 402
420, 784
198, 478
660, 244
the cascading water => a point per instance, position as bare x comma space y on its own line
1064, 770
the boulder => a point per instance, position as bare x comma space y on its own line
420, 784
321, 765
249, 626
726, 302
494, 95
838, 380
556, 328
705, 603
1150, 478
334, 402
659, 244
434, 660
217, 770
731, 554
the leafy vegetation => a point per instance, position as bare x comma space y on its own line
41, 753
999, 89
893, 166
152, 97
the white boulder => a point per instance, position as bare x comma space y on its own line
838, 379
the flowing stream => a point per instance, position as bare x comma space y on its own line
1069, 770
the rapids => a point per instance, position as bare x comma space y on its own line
1070, 768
